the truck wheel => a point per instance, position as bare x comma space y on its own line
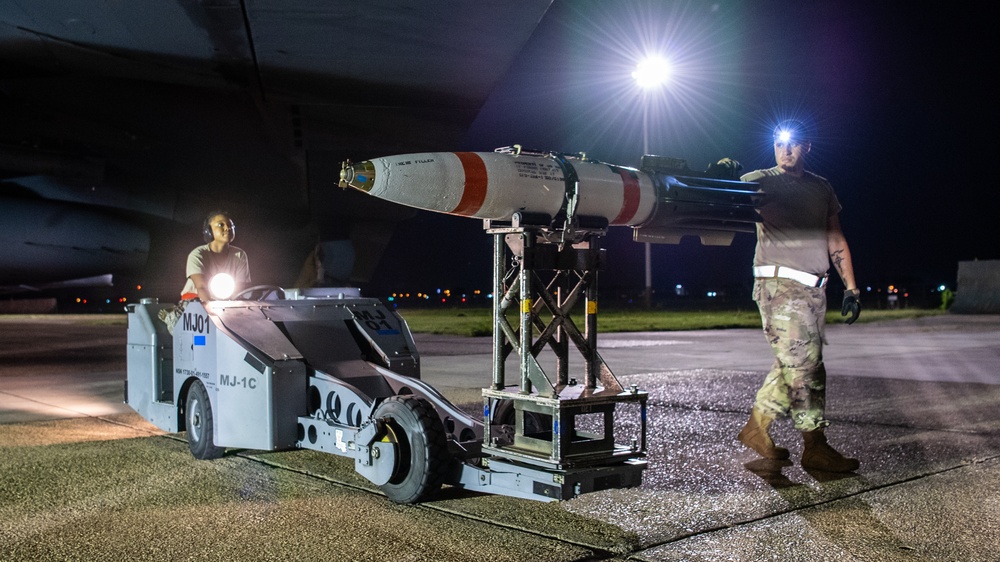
200, 424
533, 422
421, 458
264, 290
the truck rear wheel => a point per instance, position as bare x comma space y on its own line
421, 458
533, 422
200, 424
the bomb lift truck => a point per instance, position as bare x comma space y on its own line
329, 370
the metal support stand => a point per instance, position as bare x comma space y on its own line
560, 423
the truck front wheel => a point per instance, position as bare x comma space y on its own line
413, 426
200, 424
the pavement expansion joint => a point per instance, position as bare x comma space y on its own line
812, 505
48, 405
151, 432
431, 506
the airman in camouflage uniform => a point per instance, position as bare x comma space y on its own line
798, 237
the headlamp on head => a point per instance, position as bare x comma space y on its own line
222, 286
790, 131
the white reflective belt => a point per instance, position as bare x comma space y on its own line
807, 279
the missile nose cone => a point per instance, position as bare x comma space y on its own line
359, 176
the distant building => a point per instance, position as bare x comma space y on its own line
978, 290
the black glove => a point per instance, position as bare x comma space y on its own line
852, 305
725, 169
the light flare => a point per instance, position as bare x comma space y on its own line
222, 286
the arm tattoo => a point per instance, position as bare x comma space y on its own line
837, 258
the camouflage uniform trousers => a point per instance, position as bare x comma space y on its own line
170, 316
793, 316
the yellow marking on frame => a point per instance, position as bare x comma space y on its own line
591, 307
525, 306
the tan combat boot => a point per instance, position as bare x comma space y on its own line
821, 456
754, 435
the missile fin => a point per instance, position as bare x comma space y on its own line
674, 235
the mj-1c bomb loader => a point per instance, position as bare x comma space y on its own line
329, 370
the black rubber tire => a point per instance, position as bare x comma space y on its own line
200, 424
505, 416
422, 455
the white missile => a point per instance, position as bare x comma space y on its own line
496, 185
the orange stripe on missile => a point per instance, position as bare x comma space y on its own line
630, 199
474, 192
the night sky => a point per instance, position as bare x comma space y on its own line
897, 96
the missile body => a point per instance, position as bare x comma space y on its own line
493, 185
496, 185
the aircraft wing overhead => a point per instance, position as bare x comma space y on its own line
433, 53
170, 107
445, 55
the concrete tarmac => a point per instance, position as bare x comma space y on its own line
82, 477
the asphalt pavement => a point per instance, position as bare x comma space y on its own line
917, 401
